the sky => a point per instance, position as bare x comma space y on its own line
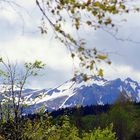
21, 41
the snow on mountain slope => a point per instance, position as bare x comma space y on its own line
94, 91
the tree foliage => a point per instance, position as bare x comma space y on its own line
99, 134
14, 80
80, 14
116, 123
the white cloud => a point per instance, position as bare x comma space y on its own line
121, 71
24, 49
26, 3
9, 15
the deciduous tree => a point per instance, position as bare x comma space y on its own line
68, 18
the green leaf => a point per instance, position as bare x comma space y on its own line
1, 60
80, 49
85, 78
122, 7
102, 57
89, 22
95, 13
100, 72
72, 55
97, 4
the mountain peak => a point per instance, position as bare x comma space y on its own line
96, 90
129, 79
97, 78
91, 79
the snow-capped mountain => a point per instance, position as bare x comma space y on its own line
94, 91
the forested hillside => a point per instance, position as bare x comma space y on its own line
120, 121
